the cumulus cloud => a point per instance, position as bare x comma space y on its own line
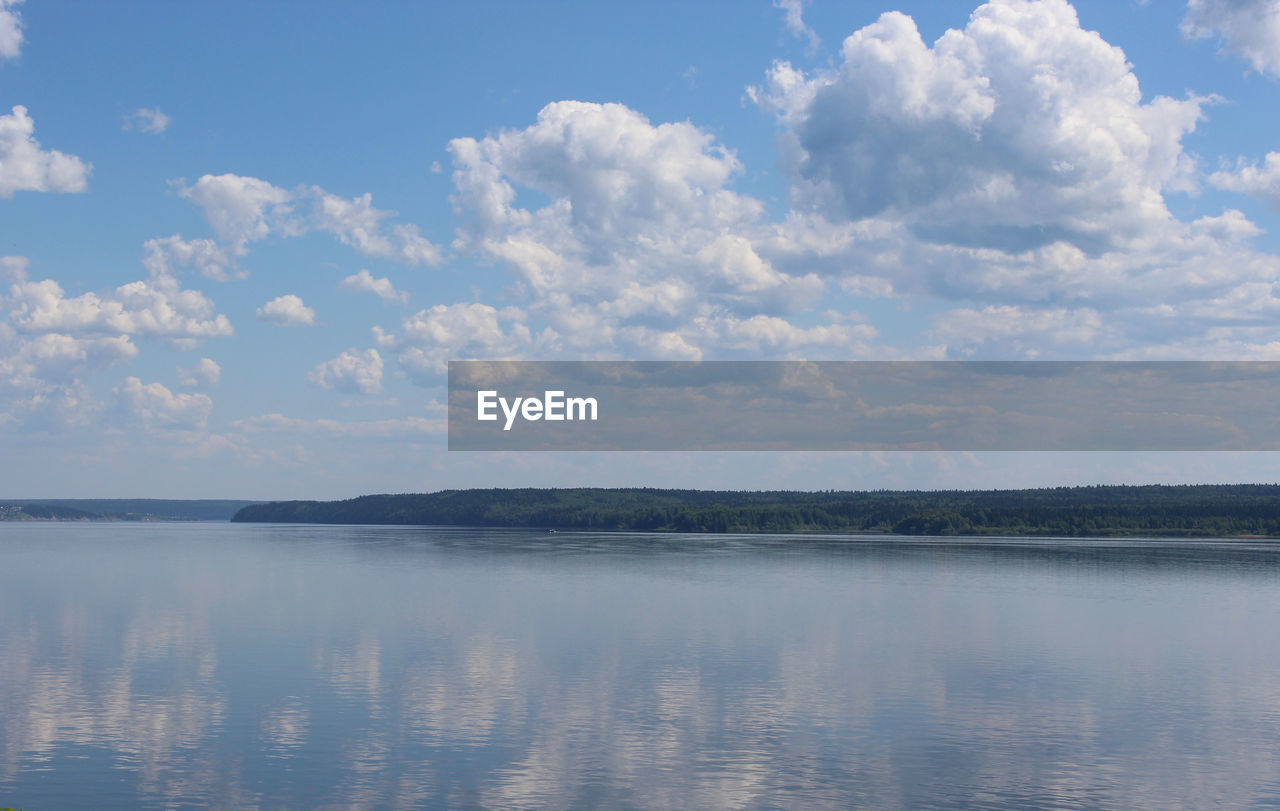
430, 338
1021, 130
39, 363
287, 311
24, 166
156, 308
38, 390
357, 223
48, 339
352, 371
609, 169
206, 372
1014, 162
10, 29
167, 255
159, 307
1248, 29
242, 210
1174, 262
365, 283
153, 404
641, 233
146, 119
1262, 181
75, 353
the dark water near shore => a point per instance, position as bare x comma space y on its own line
178, 665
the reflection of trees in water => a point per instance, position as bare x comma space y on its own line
424, 545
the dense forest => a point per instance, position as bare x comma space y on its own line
1191, 510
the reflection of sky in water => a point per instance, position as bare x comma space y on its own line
267, 666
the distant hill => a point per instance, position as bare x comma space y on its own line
1192, 510
43, 512
122, 509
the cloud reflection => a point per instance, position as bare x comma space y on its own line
364, 667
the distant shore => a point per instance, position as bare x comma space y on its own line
1244, 511
120, 509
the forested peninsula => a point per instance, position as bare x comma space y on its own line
1100, 511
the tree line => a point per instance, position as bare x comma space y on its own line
1187, 510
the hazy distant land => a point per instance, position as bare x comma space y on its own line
1120, 511
120, 509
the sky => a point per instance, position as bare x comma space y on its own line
240, 242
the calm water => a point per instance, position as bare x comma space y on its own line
170, 665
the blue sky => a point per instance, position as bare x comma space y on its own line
240, 240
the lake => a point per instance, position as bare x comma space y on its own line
230, 665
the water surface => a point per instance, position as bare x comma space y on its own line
227, 665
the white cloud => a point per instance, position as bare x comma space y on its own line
1015, 163
795, 21
1257, 181
77, 352
43, 307
35, 363
24, 166
351, 371
156, 308
779, 337
159, 307
1248, 29
240, 209
1237, 324
146, 119
430, 338
13, 268
1020, 332
642, 250
365, 283
287, 311
165, 255
206, 372
10, 29
1021, 130
722, 336
36, 404
152, 403
49, 340
640, 235
357, 223
1174, 262
609, 169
